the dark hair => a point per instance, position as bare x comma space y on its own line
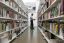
32, 14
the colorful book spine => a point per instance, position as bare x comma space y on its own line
54, 11
62, 7
7, 14
59, 5
49, 14
11, 14
62, 29
0, 27
4, 26
57, 28
51, 27
1, 12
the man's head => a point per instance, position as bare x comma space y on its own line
32, 14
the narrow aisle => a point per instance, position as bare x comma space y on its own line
40, 38
28, 37
32, 37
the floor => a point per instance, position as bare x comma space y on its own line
29, 37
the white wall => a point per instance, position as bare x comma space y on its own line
35, 14
29, 14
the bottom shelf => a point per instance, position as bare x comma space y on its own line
44, 35
50, 40
17, 35
59, 36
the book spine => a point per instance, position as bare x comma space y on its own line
11, 14
7, 14
0, 27
0, 11
4, 12
50, 27
62, 7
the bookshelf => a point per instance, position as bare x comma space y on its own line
51, 18
46, 36
50, 6
17, 35
13, 20
11, 7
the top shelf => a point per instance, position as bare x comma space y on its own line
50, 7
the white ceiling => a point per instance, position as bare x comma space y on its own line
25, 1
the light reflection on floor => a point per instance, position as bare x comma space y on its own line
27, 37
32, 37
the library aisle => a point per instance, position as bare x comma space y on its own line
27, 38
45, 17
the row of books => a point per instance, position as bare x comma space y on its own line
8, 25
55, 11
52, 38
12, 4
56, 28
9, 35
48, 35
8, 13
24, 23
47, 4
8, 28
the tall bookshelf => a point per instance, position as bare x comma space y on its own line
52, 20
13, 20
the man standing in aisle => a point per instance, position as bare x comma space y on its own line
31, 22
31, 27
